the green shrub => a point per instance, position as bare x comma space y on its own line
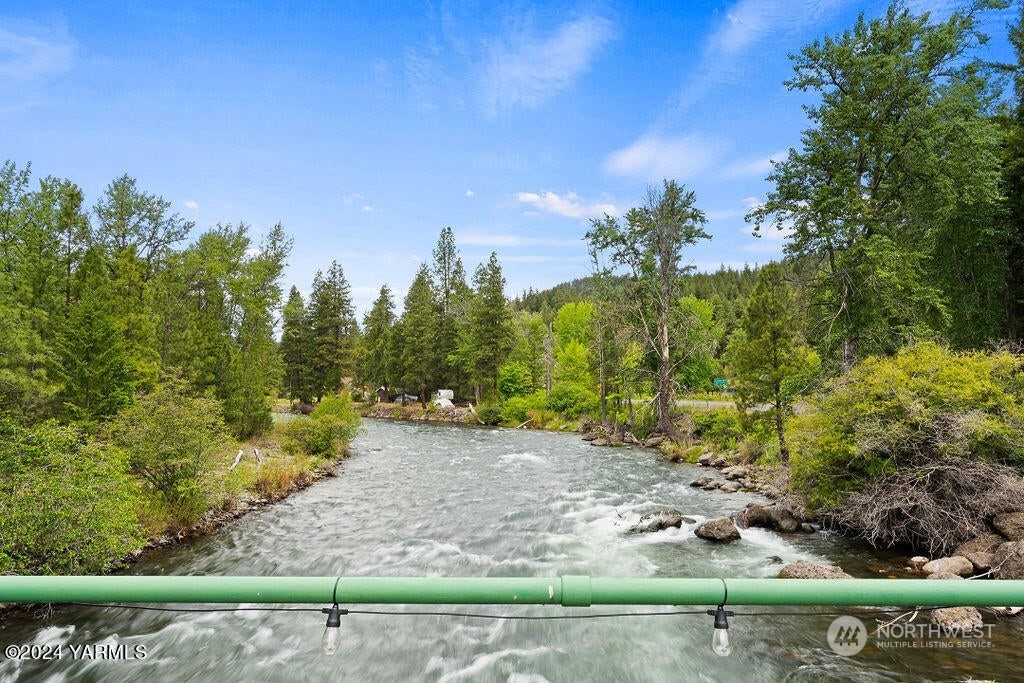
720, 427
66, 506
171, 438
514, 379
330, 426
489, 413
519, 409
889, 443
573, 400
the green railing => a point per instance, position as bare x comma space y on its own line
567, 591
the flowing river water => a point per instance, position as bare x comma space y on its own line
439, 500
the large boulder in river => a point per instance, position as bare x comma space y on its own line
960, 566
802, 569
666, 518
1008, 559
772, 516
718, 529
985, 543
1011, 525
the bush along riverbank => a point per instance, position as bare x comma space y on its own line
163, 470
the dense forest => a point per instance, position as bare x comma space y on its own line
135, 350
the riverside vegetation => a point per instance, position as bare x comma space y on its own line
892, 324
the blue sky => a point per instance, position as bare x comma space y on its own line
365, 127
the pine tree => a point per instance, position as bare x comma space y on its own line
378, 366
334, 327
767, 350
419, 328
297, 349
489, 334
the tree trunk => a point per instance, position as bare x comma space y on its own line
665, 425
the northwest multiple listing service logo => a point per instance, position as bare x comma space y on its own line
847, 636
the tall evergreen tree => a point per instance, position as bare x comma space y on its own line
378, 366
333, 322
419, 327
489, 334
297, 349
767, 350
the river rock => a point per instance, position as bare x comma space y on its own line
985, 543
982, 561
654, 441
1009, 561
589, 436
600, 442
955, 565
711, 485
729, 487
808, 528
802, 569
943, 575
957, 620
719, 462
706, 459
917, 561
735, 472
1011, 525
658, 520
718, 529
701, 481
772, 516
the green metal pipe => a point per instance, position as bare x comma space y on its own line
569, 591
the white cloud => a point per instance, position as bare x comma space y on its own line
191, 205
369, 209
470, 193
25, 57
352, 198
746, 24
757, 167
523, 70
653, 157
568, 205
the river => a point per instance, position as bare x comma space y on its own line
420, 499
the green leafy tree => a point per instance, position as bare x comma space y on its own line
899, 151
255, 368
767, 350
650, 244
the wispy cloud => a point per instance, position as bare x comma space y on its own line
191, 205
756, 167
745, 25
524, 70
31, 54
569, 205
653, 157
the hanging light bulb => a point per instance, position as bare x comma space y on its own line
332, 632
720, 644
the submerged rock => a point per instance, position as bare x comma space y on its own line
719, 529
917, 561
957, 620
802, 569
657, 521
